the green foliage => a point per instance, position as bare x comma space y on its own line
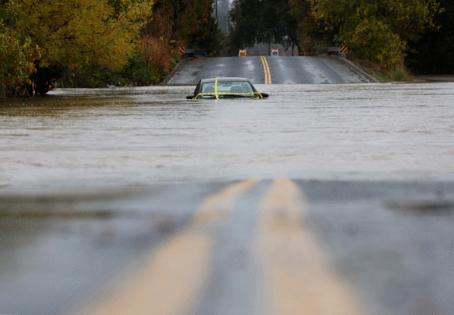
433, 52
210, 39
138, 72
245, 19
377, 31
266, 21
398, 73
407, 18
373, 40
198, 28
310, 31
79, 36
94, 43
187, 23
80, 33
16, 62
172, 23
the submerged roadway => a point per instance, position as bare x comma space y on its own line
323, 199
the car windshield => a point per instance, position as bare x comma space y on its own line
228, 87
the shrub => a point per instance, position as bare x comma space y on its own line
16, 63
374, 40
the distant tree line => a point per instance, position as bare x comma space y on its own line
262, 21
181, 23
433, 51
386, 33
92, 43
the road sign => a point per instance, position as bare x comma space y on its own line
344, 49
181, 51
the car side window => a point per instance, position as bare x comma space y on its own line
208, 88
247, 87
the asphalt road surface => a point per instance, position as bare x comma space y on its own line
323, 199
244, 247
282, 70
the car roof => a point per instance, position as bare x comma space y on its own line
224, 79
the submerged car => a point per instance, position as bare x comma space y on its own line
217, 88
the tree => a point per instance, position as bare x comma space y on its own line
246, 18
186, 22
76, 34
377, 31
81, 32
268, 21
432, 53
16, 62
180, 23
196, 23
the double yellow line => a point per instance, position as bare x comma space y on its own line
296, 276
266, 70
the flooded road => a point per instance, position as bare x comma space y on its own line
114, 137
99, 186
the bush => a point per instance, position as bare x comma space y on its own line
141, 72
138, 71
16, 64
157, 51
373, 40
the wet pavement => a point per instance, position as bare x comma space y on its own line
59, 251
284, 70
94, 182
383, 247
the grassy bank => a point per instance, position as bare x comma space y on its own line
397, 73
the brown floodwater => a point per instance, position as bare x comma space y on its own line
142, 136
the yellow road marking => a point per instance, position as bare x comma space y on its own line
266, 69
297, 278
173, 276
217, 207
270, 81
216, 89
167, 283
216, 95
265, 73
